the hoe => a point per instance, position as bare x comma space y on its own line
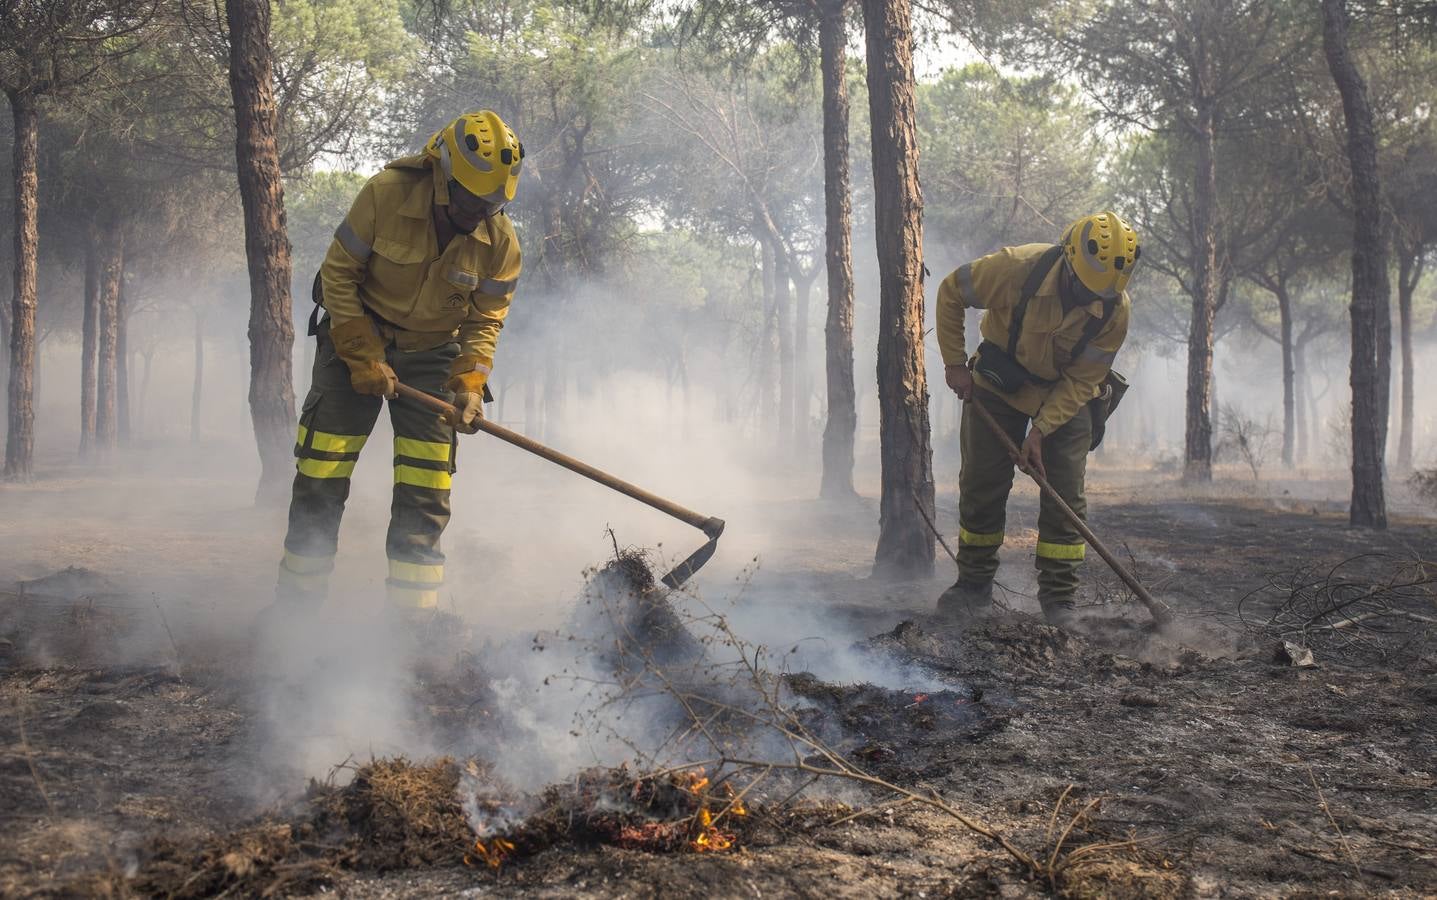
710, 526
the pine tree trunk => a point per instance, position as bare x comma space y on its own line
768, 342
1371, 323
197, 390
1289, 397
1301, 402
89, 347
111, 265
1409, 273
271, 328
20, 436
905, 545
783, 323
122, 362
1197, 456
802, 384
840, 429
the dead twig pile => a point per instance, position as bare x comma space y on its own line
1364, 610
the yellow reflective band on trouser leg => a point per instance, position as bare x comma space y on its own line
1048, 550
434, 479
434, 451
403, 597
305, 573
326, 468
976, 539
416, 573
333, 443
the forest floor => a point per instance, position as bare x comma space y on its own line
1197, 763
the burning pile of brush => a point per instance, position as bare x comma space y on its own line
666, 812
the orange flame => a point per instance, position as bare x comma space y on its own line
494, 854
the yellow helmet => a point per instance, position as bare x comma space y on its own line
1102, 249
480, 152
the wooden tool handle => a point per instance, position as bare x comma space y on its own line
1161, 612
707, 524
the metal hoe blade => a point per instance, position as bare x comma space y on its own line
685, 570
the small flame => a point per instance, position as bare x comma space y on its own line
494, 854
919, 698
710, 838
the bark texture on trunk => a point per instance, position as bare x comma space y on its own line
89, 347
1409, 273
271, 327
840, 429
122, 361
1197, 456
111, 265
20, 438
802, 383
1289, 372
783, 323
197, 390
905, 545
1371, 324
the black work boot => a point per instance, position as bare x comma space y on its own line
1058, 609
966, 599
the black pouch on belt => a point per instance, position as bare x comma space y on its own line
1110, 394
1001, 370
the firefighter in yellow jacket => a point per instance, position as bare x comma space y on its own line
415, 288
1054, 317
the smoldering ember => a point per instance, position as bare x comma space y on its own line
843, 448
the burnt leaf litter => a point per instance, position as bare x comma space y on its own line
1123, 763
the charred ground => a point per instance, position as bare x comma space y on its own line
1197, 763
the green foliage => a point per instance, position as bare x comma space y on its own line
1007, 160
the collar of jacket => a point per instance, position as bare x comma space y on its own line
419, 202
1049, 287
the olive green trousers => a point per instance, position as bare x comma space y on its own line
986, 478
334, 425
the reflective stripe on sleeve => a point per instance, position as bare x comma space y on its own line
460, 277
433, 479
496, 287
965, 286
437, 451
976, 539
1047, 550
326, 468
1096, 355
352, 243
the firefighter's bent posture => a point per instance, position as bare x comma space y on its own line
415, 287
1053, 319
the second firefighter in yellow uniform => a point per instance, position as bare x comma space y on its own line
1054, 318
415, 287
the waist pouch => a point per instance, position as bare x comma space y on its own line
1001, 370
1110, 394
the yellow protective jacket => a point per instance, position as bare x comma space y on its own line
993, 284
385, 259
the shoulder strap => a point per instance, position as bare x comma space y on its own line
1040, 270
1091, 329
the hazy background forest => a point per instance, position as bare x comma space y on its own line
672, 216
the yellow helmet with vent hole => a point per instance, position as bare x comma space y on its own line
1102, 249
481, 153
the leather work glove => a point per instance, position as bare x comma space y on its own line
467, 377
358, 343
470, 409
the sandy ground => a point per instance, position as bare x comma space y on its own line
129, 710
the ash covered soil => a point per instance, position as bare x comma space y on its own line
1191, 764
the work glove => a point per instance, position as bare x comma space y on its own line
466, 379
468, 410
358, 343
